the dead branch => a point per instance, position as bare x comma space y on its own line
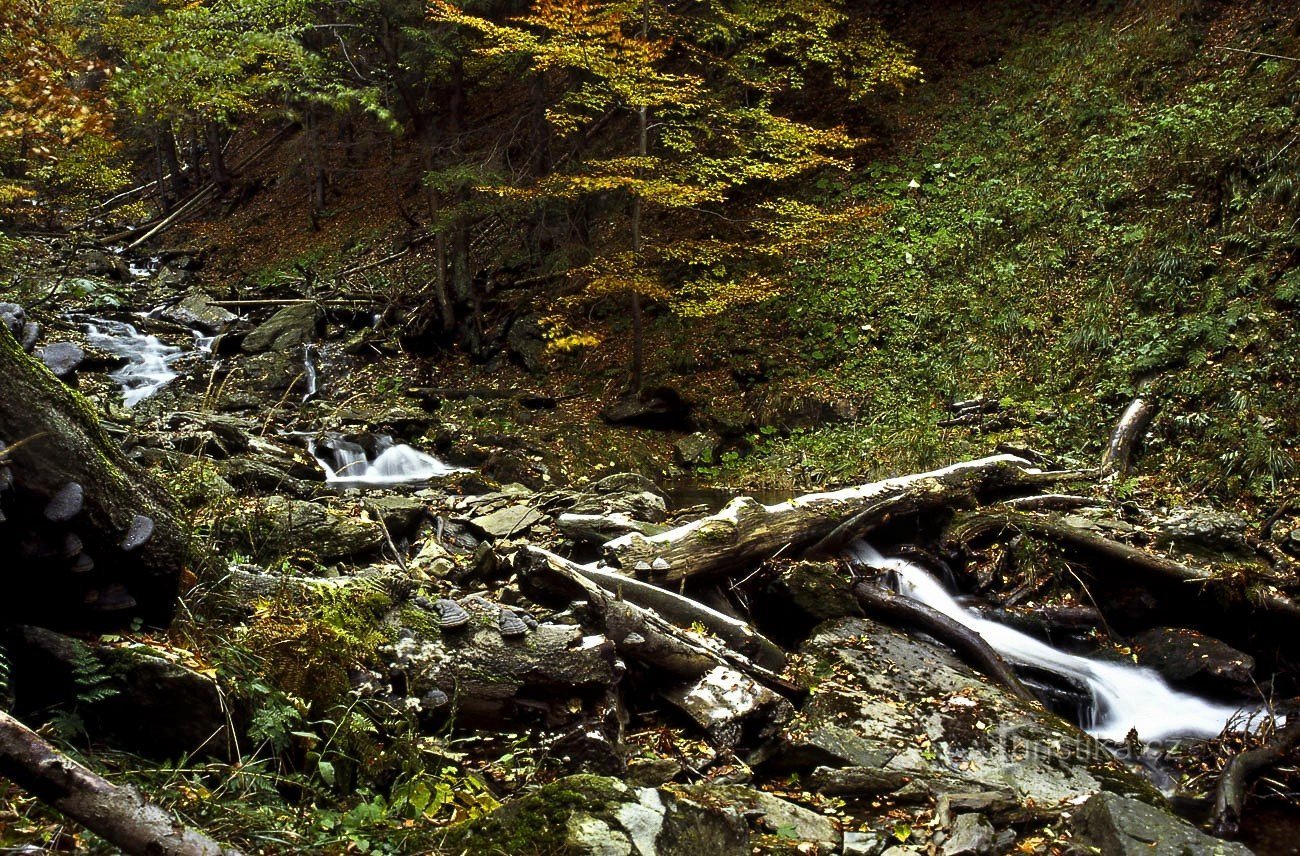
1230, 795
119, 815
896, 608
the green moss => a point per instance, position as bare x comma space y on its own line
536, 823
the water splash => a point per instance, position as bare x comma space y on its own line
1124, 696
346, 463
148, 367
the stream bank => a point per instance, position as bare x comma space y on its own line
423, 609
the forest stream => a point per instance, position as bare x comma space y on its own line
616, 428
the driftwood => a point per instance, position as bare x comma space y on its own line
685, 611
642, 634
746, 532
1230, 795
1118, 456
90, 536
1115, 556
119, 815
896, 608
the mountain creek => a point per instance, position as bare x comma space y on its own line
873, 669
620, 428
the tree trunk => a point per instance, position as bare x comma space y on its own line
216, 157
89, 539
746, 532
119, 815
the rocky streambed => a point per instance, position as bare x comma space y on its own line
671, 678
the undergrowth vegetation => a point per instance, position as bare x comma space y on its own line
1109, 209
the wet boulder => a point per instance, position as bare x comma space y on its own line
290, 328
661, 408
698, 449
258, 381
275, 526
899, 704
466, 650
196, 311
1119, 826
1190, 659
62, 358
587, 814
130, 696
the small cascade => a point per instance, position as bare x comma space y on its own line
309, 372
149, 366
347, 463
1124, 695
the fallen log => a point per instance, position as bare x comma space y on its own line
1114, 556
746, 532
684, 611
896, 608
1230, 795
117, 814
640, 633
89, 538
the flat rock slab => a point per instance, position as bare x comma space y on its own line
1119, 826
508, 522
902, 705
62, 358
197, 311
291, 327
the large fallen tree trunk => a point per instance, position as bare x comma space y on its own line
746, 532
119, 815
87, 537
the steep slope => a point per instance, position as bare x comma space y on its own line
1085, 203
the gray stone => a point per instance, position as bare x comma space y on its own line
769, 813
862, 844
196, 311
1119, 826
62, 358
971, 835
1191, 659
904, 705
275, 526
290, 328
723, 700
100, 263
400, 514
1202, 527
591, 836
698, 449
509, 522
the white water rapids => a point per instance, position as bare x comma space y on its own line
1125, 696
149, 366
346, 463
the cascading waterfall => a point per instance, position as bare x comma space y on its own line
309, 372
1125, 696
149, 366
347, 463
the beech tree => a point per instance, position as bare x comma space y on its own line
709, 152
55, 123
